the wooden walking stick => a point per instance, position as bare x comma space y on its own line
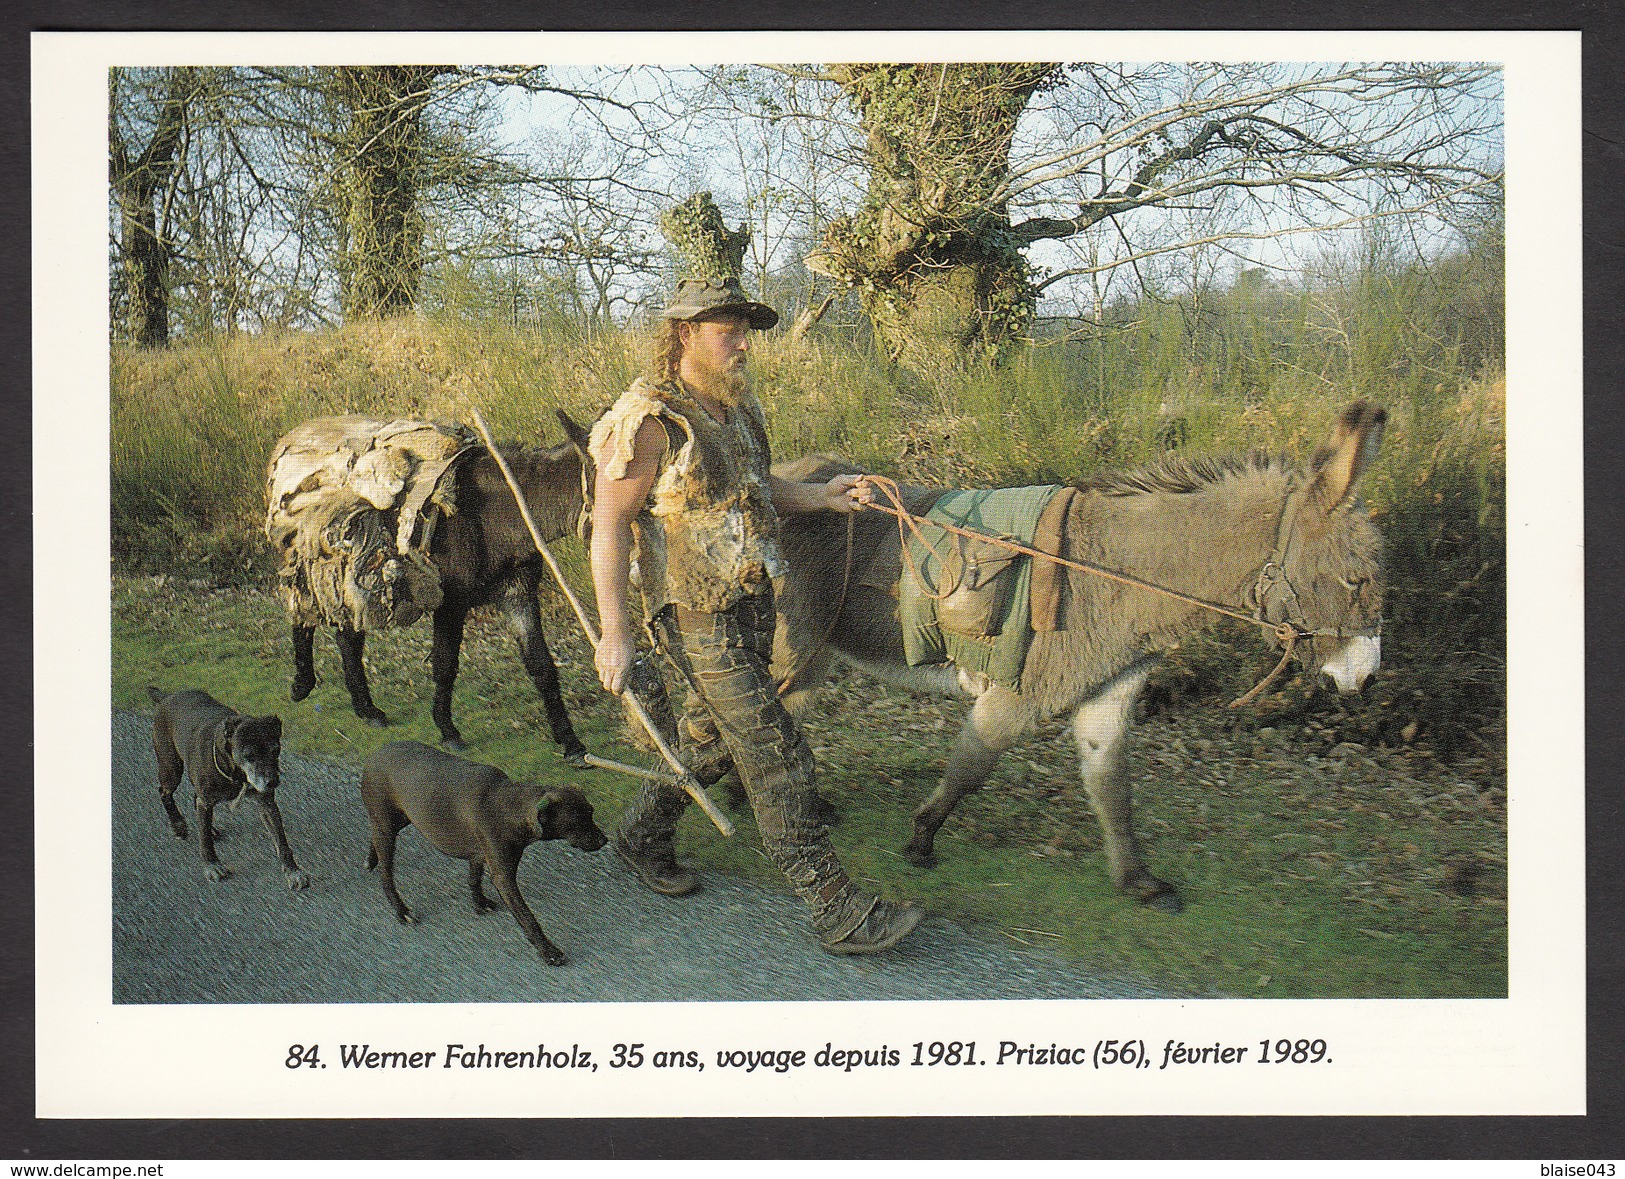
680, 775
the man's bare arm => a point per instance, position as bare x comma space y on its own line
844, 493
616, 503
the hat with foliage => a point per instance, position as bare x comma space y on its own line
709, 298
714, 256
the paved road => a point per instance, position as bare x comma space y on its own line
179, 939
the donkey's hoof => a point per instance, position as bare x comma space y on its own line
577, 759
823, 811
920, 857
301, 688
1166, 901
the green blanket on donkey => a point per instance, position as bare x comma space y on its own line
976, 611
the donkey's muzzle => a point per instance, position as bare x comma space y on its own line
1354, 662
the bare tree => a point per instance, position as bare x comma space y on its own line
971, 165
576, 237
146, 128
296, 195
947, 199
410, 143
793, 164
382, 164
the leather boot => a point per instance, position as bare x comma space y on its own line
656, 865
886, 924
644, 841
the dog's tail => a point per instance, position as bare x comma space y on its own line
157, 696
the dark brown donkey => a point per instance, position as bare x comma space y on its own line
485, 556
1259, 535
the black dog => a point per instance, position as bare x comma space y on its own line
474, 813
227, 756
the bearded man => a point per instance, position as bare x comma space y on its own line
683, 482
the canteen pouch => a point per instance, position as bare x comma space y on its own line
978, 577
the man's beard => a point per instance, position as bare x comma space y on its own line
727, 386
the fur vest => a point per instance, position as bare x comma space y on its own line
709, 534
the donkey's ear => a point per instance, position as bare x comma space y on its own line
575, 432
1339, 464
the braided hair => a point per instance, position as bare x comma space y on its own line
665, 353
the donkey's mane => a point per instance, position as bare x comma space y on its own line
522, 455
1181, 476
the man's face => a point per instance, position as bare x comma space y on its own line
714, 352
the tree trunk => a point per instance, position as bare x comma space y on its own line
942, 280
380, 174
808, 319
145, 252
146, 270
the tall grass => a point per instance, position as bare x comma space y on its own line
192, 426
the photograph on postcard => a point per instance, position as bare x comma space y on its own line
985, 577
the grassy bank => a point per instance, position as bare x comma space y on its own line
192, 427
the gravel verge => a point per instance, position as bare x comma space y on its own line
179, 939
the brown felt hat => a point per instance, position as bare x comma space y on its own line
708, 298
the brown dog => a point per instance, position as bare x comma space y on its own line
474, 813
226, 755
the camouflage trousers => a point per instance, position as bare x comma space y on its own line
735, 715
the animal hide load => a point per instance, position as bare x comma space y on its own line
351, 507
969, 601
